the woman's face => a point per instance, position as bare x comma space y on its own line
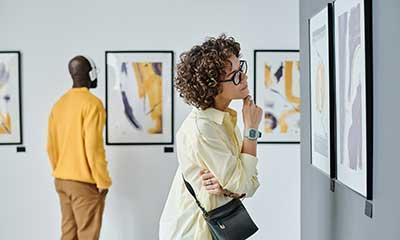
230, 91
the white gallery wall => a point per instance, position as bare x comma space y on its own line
49, 33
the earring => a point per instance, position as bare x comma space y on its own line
212, 82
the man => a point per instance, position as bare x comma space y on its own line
77, 155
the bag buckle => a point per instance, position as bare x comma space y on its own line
222, 226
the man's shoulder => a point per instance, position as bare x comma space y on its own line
59, 102
93, 100
83, 100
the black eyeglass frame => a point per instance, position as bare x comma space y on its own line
237, 75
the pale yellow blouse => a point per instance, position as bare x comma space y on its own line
208, 139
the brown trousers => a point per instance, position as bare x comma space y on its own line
82, 209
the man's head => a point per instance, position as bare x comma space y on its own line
83, 72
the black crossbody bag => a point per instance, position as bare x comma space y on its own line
228, 222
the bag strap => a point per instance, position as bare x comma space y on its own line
227, 193
191, 191
233, 195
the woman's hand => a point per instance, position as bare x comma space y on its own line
252, 113
211, 183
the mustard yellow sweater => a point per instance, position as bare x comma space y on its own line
75, 138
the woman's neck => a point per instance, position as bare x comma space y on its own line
221, 104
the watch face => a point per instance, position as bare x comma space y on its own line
253, 133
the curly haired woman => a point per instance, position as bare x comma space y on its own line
212, 156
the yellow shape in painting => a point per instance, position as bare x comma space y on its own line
283, 126
320, 88
150, 84
5, 124
267, 128
289, 82
267, 76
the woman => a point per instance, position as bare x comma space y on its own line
212, 157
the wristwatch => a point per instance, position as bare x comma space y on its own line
252, 134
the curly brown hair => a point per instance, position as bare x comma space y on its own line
202, 67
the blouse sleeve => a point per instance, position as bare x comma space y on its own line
235, 172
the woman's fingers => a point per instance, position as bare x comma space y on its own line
207, 176
210, 183
245, 100
248, 100
213, 187
202, 172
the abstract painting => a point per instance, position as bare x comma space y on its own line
10, 98
320, 104
353, 103
139, 97
277, 90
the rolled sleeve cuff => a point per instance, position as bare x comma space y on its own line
249, 163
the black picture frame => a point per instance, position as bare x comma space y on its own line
20, 125
256, 51
172, 132
332, 97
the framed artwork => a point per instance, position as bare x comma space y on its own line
353, 93
277, 90
321, 83
139, 97
10, 98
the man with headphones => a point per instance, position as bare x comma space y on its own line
76, 153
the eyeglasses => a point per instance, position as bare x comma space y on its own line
238, 75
